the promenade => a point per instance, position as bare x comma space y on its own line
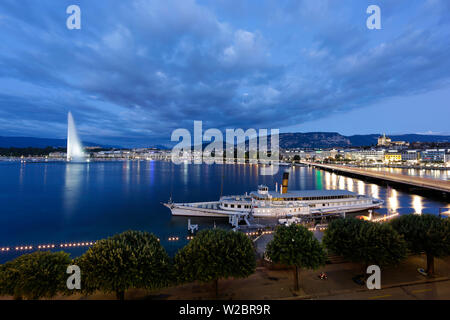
268, 283
412, 181
401, 282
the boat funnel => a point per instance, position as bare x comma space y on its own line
284, 187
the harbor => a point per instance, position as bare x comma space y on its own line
287, 206
441, 187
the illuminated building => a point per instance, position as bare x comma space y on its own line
386, 141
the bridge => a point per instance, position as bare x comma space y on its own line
406, 180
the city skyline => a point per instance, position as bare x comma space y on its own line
136, 71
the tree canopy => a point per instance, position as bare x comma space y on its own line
296, 246
425, 233
365, 242
132, 259
215, 254
40, 274
29, 151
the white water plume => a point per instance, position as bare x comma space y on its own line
74, 147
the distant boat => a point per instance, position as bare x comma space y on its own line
280, 204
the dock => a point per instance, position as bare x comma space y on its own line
435, 185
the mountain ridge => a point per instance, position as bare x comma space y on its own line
287, 140
334, 139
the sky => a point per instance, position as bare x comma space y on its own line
137, 70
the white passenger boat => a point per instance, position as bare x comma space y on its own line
279, 204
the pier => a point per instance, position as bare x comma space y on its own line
434, 185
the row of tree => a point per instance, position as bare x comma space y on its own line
364, 242
29, 151
136, 259
132, 259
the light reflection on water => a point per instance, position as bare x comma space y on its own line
392, 200
61, 202
417, 204
375, 192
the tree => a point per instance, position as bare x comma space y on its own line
40, 274
297, 247
425, 233
132, 259
215, 254
365, 242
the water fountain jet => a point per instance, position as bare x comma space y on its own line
74, 147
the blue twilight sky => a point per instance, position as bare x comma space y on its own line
139, 69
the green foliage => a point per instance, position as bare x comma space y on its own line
365, 242
215, 254
29, 151
295, 245
9, 280
36, 275
132, 259
425, 232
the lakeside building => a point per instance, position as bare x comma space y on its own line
319, 155
367, 155
411, 156
140, 153
385, 141
57, 155
435, 155
392, 156
112, 154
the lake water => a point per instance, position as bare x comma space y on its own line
58, 202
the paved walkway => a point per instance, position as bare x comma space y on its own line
437, 290
401, 282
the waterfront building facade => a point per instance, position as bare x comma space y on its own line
435, 155
392, 156
410, 156
367, 155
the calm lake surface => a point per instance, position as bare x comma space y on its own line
58, 202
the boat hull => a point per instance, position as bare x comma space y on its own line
191, 211
347, 209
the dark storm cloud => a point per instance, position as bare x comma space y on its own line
139, 69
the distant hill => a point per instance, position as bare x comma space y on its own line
313, 140
287, 140
24, 142
372, 139
334, 139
